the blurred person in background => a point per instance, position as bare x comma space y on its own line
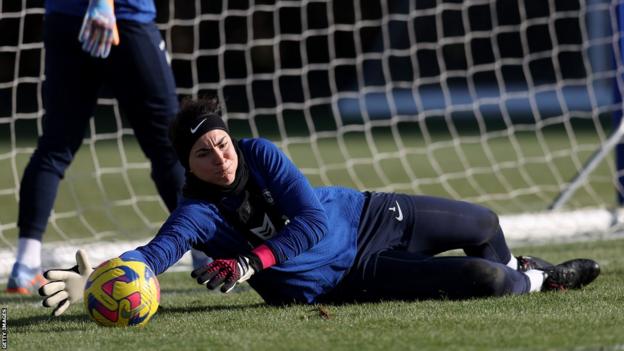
89, 44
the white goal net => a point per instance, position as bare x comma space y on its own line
510, 104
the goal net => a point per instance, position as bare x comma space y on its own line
510, 104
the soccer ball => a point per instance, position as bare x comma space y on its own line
122, 292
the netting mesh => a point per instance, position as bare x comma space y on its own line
496, 102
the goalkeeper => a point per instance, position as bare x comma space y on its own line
89, 44
249, 207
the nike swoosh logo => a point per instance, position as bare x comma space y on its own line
399, 216
193, 130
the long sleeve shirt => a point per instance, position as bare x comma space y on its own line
313, 250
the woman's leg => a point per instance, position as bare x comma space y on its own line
399, 235
428, 226
404, 275
69, 97
143, 83
437, 224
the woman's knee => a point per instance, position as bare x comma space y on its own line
488, 225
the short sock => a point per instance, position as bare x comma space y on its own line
29, 252
536, 279
513, 263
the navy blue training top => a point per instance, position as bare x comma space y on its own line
312, 251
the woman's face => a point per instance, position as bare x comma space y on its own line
213, 158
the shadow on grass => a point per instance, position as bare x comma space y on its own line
193, 289
47, 322
190, 309
6, 298
180, 291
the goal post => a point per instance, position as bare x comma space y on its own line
614, 142
509, 104
617, 116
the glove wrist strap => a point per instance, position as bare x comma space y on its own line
263, 256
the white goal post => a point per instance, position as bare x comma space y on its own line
513, 104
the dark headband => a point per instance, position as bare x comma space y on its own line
186, 133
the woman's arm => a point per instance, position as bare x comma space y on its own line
293, 196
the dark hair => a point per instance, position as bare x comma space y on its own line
191, 108
195, 118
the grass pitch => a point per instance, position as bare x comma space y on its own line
190, 318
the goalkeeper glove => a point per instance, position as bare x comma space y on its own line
228, 272
66, 286
99, 28
231, 271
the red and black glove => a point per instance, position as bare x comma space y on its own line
230, 271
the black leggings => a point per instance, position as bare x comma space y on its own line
399, 238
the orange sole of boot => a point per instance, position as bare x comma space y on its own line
38, 280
